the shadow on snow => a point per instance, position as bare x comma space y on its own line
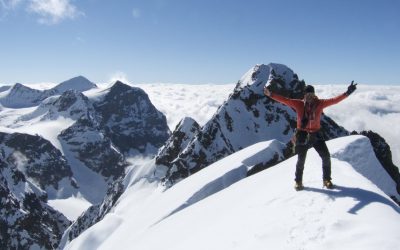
364, 197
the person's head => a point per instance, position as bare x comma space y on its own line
309, 89
309, 93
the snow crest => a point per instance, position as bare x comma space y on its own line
226, 210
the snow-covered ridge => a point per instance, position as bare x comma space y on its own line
364, 162
79, 83
21, 96
258, 211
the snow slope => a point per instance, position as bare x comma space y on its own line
218, 208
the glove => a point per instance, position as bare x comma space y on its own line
351, 88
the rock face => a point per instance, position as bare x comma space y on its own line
184, 132
131, 121
247, 117
26, 221
37, 159
71, 105
90, 146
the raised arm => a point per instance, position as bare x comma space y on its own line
294, 103
328, 102
332, 101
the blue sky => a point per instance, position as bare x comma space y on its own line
203, 41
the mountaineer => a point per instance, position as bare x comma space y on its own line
308, 132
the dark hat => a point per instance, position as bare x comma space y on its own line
309, 89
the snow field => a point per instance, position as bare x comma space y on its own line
260, 211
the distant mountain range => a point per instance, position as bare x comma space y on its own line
80, 141
21, 96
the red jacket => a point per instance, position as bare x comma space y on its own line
314, 124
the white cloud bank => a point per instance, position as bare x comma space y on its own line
48, 11
53, 11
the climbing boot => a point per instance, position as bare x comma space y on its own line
328, 184
298, 186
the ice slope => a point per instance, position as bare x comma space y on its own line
217, 208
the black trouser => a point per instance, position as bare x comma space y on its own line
304, 141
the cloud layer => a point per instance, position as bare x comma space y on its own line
54, 11
47, 11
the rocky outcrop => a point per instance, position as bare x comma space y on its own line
90, 146
131, 121
26, 221
71, 105
184, 132
37, 159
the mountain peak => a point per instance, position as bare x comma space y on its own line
79, 83
19, 96
19, 86
281, 78
245, 118
131, 118
120, 86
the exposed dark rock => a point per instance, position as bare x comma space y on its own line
184, 132
25, 219
37, 158
131, 121
95, 150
